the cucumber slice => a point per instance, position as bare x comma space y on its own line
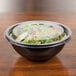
17, 31
22, 36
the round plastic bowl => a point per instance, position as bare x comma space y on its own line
38, 52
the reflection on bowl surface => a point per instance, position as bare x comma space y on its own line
38, 52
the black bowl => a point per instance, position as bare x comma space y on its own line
38, 52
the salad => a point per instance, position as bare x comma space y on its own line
38, 33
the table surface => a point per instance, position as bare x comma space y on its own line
12, 64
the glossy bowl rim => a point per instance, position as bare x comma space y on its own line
11, 40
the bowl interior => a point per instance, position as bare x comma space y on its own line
66, 30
